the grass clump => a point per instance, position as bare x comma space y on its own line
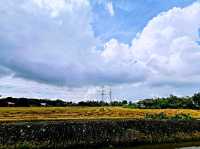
182, 116
163, 116
159, 116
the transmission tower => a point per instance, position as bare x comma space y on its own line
102, 93
106, 93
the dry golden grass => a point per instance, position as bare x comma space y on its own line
70, 113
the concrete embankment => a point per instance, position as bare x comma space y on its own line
96, 133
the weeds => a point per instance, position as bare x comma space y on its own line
163, 116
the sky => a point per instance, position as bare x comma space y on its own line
68, 49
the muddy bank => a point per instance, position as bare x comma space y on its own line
96, 133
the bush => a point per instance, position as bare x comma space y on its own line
181, 117
163, 116
159, 116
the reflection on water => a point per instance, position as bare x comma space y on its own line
188, 145
190, 148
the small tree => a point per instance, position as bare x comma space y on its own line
124, 102
196, 99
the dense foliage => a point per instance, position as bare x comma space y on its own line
25, 102
171, 102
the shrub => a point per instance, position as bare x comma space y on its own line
159, 116
181, 117
163, 116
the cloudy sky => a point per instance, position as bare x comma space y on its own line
69, 48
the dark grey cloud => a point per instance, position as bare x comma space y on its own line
73, 75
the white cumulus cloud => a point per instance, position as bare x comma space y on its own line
167, 46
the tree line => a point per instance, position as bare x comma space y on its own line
173, 102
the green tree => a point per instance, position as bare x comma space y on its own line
124, 102
196, 99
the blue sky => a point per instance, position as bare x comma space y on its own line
130, 16
69, 48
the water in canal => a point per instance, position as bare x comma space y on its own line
188, 145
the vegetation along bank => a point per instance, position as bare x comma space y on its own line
77, 133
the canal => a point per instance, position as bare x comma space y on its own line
187, 145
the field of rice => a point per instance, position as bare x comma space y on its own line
8, 114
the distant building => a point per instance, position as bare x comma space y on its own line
10, 104
43, 104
